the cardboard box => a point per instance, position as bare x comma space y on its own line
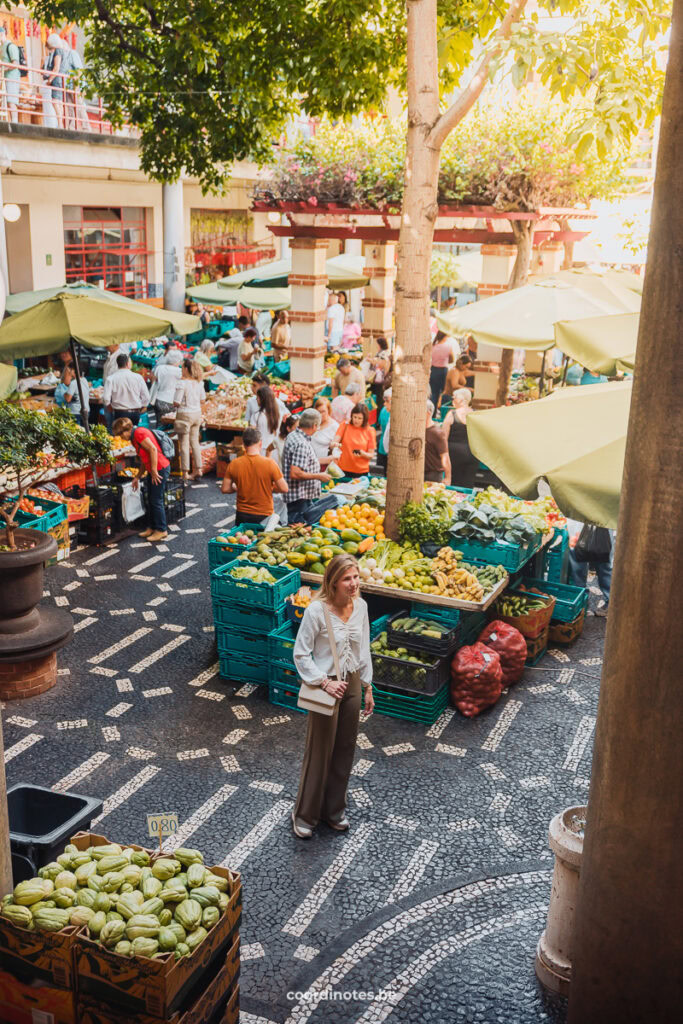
158, 987
31, 1001
61, 535
216, 996
47, 956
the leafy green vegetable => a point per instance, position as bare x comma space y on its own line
426, 523
487, 524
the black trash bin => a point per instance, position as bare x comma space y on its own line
41, 822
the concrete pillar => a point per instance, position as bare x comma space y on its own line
547, 258
308, 281
378, 304
354, 247
555, 947
496, 267
174, 246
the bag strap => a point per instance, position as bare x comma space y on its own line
333, 642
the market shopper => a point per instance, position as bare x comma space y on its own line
442, 355
437, 461
287, 425
228, 350
247, 351
464, 466
327, 431
338, 618
254, 479
345, 375
203, 357
9, 55
187, 400
156, 465
71, 396
383, 422
301, 467
125, 393
281, 336
166, 376
382, 367
598, 557
358, 443
456, 378
334, 321
268, 417
343, 404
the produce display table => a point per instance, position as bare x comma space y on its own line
415, 595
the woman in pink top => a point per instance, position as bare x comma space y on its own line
442, 355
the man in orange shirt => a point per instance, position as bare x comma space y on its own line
254, 478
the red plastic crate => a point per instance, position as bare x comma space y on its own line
74, 478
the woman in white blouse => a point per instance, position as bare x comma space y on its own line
188, 398
331, 740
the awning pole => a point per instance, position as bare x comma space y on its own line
85, 411
542, 380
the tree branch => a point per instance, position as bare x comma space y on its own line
473, 90
117, 29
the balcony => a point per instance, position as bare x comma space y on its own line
57, 106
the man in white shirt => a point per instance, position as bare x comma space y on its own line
71, 395
125, 392
110, 362
335, 323
346, 373
343, 404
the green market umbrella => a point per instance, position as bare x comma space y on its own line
20, 301
8, 380
51, 325
525, 317
574, 439
344, 271
603, 344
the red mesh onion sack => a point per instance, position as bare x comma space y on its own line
509, 645
476, 679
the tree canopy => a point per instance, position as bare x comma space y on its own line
209, 83
515, 159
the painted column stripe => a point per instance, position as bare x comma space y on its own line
108, 652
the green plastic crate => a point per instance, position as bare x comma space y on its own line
471, 626
281, 645
425, 709
222, 552
569, 601
55, 513
232, 642
244, 617
449, 616
556, 558
284, 696
498, 552
241, 668
270, 596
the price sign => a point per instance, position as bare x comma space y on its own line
161, 826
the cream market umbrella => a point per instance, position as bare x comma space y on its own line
574, 439
525, 317
599, 285
8, 380
216, 294
603, 344
344, 271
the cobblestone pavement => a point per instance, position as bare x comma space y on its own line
435, 899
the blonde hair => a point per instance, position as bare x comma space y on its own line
194, 369
336, 568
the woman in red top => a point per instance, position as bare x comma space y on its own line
156, 465
357, 441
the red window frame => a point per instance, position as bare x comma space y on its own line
102, 260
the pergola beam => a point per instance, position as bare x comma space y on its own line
388, 234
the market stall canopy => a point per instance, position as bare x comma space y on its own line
603, 344
95, 323
574, 439
525, 317
599, 285
216, 294
8, 380
345, 271
180, 323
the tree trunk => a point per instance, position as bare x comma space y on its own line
523, 230
405, 477
568, 244
628, 946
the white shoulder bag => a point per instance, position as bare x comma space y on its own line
314, 698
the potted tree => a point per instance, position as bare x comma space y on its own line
29, 441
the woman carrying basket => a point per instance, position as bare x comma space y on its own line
332, 652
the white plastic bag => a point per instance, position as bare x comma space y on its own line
132, 505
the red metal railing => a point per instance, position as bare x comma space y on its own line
57, 104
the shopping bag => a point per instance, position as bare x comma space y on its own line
594, 545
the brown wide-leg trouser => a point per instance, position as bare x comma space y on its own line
328, 757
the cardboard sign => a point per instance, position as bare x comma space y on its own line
161, 826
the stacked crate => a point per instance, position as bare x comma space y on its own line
244, 614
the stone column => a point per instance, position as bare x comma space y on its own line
380, 267
5, 164
174, 246
547, 258
354, 247
308, 281
496, 267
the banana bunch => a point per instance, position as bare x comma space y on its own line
453, 580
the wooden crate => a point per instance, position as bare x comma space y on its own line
156, 987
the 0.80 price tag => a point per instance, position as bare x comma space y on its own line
161, 826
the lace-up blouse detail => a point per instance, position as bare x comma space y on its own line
312, 652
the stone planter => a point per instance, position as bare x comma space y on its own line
555, 947
29, 635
